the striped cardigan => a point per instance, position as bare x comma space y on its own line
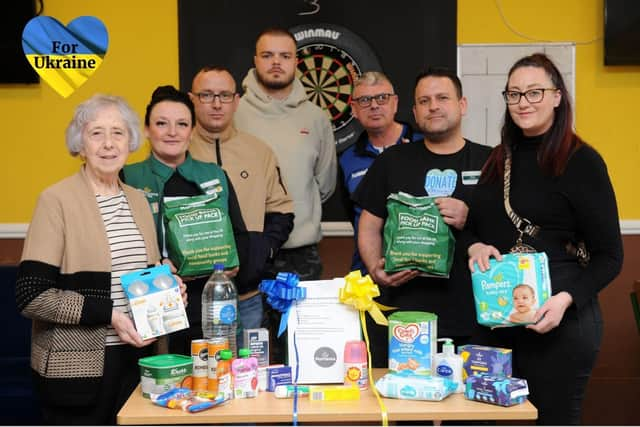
64, 285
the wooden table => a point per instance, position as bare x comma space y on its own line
267, 409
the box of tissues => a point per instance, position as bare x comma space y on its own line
155, 301
496, 389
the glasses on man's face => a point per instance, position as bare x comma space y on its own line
512, 97
209, 97
381, 99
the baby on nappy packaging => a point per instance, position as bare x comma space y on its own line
524, 304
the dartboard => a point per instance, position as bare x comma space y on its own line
330, 59
327, 74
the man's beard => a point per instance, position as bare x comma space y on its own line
274, 85
437, 136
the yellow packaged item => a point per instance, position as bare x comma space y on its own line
334, 392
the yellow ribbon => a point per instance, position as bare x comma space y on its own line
359, 292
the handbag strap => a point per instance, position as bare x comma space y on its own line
523, 225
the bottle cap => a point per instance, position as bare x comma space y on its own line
244, 352
355, 352
447, 347
218, 267
226, 354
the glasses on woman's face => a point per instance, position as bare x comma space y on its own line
209, 97
381, 99
512, 97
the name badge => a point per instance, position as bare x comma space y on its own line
211, 187
470, 177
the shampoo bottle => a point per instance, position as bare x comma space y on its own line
448, 364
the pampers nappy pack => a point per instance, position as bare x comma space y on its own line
412, 342
511, 290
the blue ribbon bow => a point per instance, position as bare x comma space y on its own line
281, 293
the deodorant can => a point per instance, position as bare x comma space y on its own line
355, 364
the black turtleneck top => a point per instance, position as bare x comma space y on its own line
579, 204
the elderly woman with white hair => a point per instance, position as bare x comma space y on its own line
86, 232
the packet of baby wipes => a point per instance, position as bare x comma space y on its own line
155, 300
511, 290
415, 388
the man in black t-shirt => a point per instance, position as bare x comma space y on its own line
445, 166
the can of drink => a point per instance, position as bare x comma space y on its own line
199, 356
215, 345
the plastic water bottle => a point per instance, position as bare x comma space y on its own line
220, 308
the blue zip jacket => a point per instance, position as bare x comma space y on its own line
354, 163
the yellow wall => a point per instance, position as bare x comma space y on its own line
143, 53
607, 113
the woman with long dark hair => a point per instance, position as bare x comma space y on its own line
561, 202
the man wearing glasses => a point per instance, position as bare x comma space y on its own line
275, 108
253, 169
374, 104
445, 166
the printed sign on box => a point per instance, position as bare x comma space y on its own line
320, 326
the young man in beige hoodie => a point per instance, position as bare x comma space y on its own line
275, 108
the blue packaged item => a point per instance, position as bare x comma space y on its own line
185, 399
413, 387
511, 290
496, 389
480, 359
412, 342
155, 301
278, 375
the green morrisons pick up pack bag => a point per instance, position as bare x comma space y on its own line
199, 234
416, 237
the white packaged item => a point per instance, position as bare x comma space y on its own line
156, 302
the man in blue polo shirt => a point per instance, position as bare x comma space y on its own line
374, 104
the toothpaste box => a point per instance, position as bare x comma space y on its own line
257, 341
478, 359
262, 376
276, 376
155, 301
496, 389
511, 291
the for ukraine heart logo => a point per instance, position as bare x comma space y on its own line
65, 56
